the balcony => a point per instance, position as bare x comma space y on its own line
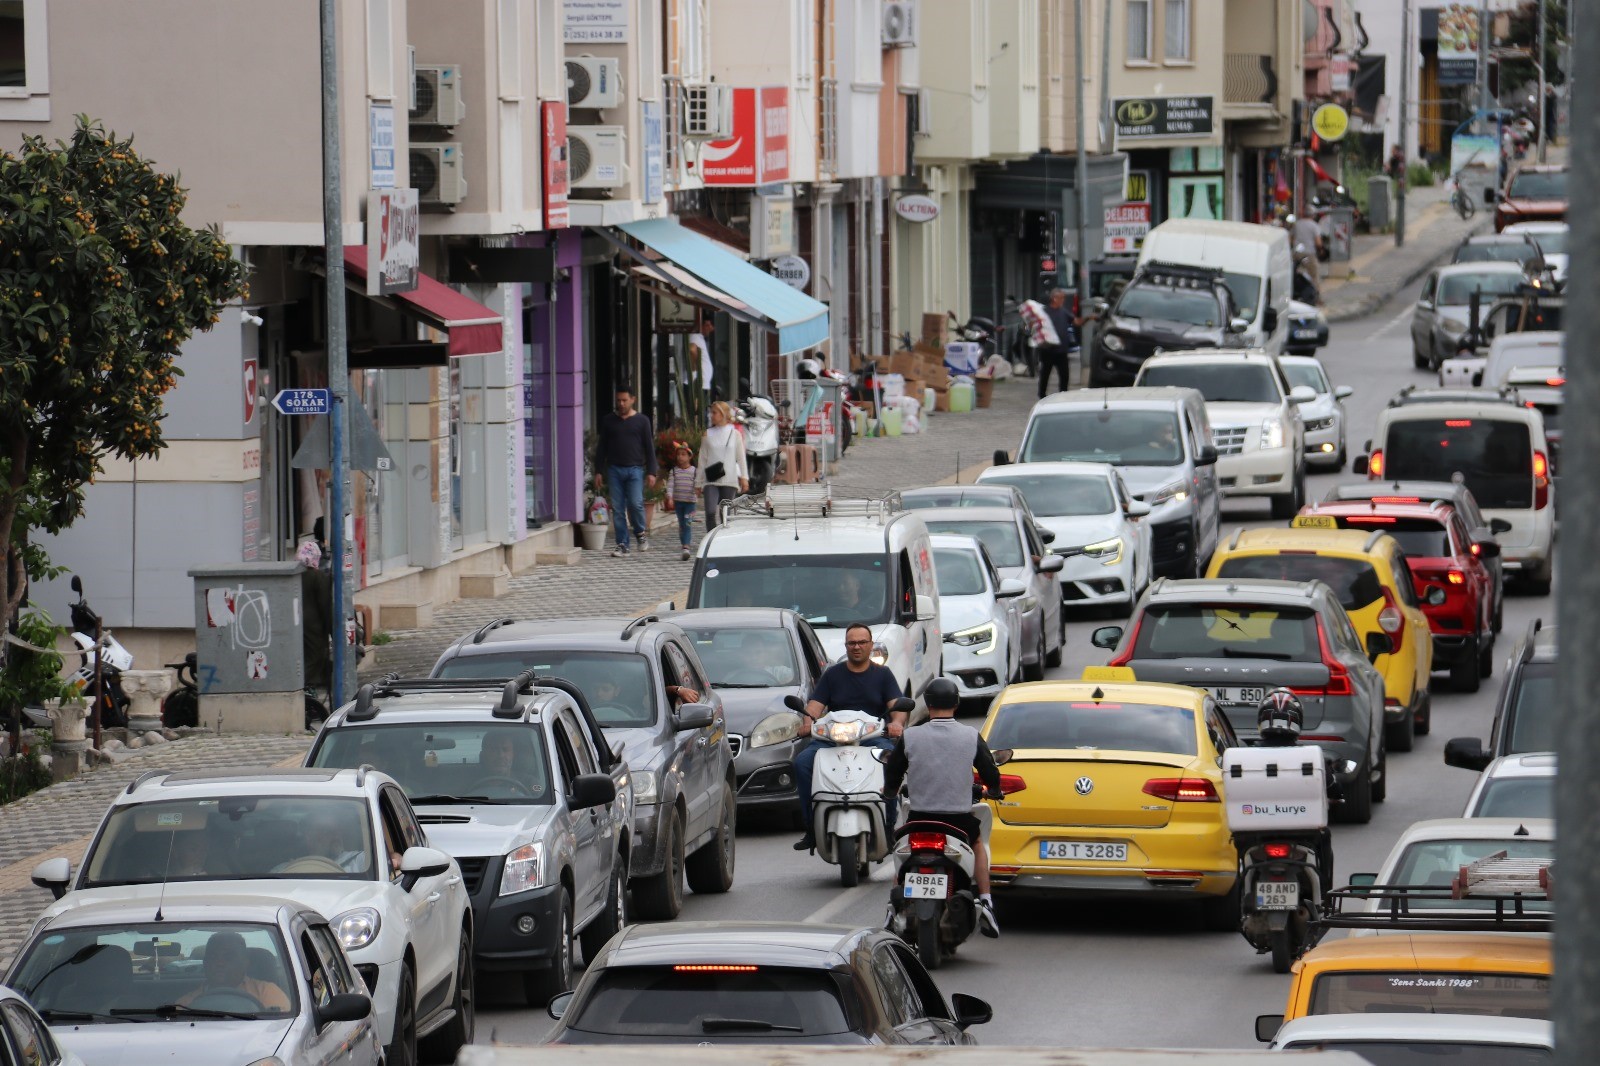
1249, 79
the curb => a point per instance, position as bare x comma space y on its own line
1375, 300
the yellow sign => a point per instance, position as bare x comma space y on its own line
1330, 121
1115, 674
1314, 521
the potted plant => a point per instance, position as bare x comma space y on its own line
591, 534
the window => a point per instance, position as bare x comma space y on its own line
1419, 991
575, 737
410, 831
1104, 725
960, 572
1353, 581
24, 61
380, 50
746, 658
928, 994
31, 1040
1176, 38
1218, 382
899, 998
617, 684
1493, 456
1103, 435
501, 762
321, 982
1138, 31
1061, 495
1003, 539
829, 591
1238, 631
768, 1004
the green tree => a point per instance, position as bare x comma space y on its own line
101, 283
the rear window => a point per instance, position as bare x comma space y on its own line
1496, 252
959, 572
1218, 382
1493, 456
1234, 631
1457, 289
1430, 1052
1500, 995
1117, 726
1002, 539
1437, 863
1353, 581
1533, 710
1517, 797
1119, 436
1418, 537
656, 1001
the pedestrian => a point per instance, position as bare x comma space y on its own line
681, 481
1058, 357
1396, 167
316, 630
724, 470
626, 456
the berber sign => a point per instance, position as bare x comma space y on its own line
792, 270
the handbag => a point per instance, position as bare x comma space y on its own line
715, 471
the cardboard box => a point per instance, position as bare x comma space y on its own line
914, 387
985, 387
941, 399
903, 363
936, 376
934, 329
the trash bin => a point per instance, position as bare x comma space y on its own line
249, 651
1341, 228
1380, 192
824, 401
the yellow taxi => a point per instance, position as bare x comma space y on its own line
1369, 575
1115, 788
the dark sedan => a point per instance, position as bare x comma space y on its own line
760, 983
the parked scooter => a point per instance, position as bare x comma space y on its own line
182, 705
760, 419
114, 658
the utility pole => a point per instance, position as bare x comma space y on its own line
1540, 67
338, 357
1405, 123
1082, 178
1485, 42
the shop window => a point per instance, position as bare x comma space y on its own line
388, 543
1138, 29
24, 61
1175, 39
469, 510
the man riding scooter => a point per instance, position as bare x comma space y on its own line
1279, 720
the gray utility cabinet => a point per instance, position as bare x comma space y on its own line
248, 620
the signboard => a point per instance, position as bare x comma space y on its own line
1458, 43
596, 21
394, 259
1125, 228
758, 151
653, 165
771, 226
380, 132
250, 388
1330, 121
917, 208
1163, 116
792, 271
1471, 150
774, 117
303, 402
553, 126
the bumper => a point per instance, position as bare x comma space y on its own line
1266, 472
1450, 648
1306, 336
649, 854
1173, 548
1086, 582
500, 944
1176, 860
1322, 445
383, 988
1108, 368
764, 777
978, 674
1524, 558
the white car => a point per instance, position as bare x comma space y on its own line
1439, 322
1251, 407
1515, 786
1423, 1038
1097, 524
1551, 237
344, 843
24, 1037
1323, 416
1431, 854
978, 615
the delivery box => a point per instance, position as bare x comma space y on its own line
1267, 790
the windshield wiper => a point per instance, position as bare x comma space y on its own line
52, 1015
172, 1010
1276, 656
730, 684
731, 1025
446, 798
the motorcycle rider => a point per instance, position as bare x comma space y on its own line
857, 684
938, 757
1279, 720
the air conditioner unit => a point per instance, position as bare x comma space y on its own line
593, 82
438, 101
707, 112
922, 119
899, 23
597, 157
436, 173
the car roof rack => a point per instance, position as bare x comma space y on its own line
1504, 888
809, 500
638, 623
133, 786
489, 627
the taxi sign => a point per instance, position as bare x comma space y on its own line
1116, 674
1330, 121
1314, 521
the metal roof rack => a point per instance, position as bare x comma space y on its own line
490, 627
133, 785
1426, 908
810, 500
638, 623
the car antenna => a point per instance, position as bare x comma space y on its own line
166, 871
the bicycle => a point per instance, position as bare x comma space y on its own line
1461, 201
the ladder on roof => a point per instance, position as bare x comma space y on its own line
1499, 875
810, 500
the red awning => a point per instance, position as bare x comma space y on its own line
473, 328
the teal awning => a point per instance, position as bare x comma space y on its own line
799, 321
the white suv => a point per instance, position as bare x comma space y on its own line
1259, 436
342, 842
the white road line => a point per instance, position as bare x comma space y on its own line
1393, 322
882, 874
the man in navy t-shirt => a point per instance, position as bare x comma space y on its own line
857, 684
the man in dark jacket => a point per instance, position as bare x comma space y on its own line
1058, 357
627, 457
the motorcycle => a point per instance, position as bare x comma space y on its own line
182, 705
760, 419
87, 629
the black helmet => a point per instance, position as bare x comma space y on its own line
1279, 718
942, 695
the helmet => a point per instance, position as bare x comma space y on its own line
942, 695
1279, 718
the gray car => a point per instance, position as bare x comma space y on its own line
679, 760
1240, 640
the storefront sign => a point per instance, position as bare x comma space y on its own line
596, 21
1163, 116
1458, 42
380, 132
917, 208
774, 103
394, 261
1330, 121
771, 226
250, 388
653, 173
792, 271
758, 151
1125, 228
553, 123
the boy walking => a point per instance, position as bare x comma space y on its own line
681, 493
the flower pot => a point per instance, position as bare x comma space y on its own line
592, 535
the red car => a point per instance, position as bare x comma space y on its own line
1536, 192
1440, 552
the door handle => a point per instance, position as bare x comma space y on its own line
432, 899
453, 881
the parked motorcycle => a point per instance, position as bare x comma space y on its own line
760, 419
182, 705
114, 659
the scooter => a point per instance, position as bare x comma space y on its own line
760, 420
114, 658
1280, 894
933, 906
182, 705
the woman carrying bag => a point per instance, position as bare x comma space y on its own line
723, 468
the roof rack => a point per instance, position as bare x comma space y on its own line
810, 500
1372, 539
393, 684
1416, 908
133, 785
638, 623
490, 627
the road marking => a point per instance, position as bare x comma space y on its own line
1393, 322
882, 873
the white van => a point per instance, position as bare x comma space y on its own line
835, 562
1255, 261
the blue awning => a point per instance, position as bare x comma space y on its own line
799, 321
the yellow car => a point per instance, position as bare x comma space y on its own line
1121, 792
1369, 575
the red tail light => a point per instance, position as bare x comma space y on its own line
1182, 789
1129, 642
1009, 783
927, 841
1375, 464
1277, 851
1541, 481
1456, 577
1371, 520
1555, 383
1338, 676
1397, 499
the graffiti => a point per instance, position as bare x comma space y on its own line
245, 613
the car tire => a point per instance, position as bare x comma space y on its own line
1053, 657
1380, 787
1539, 584
1465, 672
1035, 671
1288, 505
444, 1043
1435, 360
1422, 723
1486, 657
659, 897
710, 868
541, 986
614, 918
402, 1048
1221, 914
1357, 806
1418, 360
1400, 736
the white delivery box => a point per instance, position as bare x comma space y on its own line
1275, 790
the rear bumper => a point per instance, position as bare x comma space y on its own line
1177, 859
1449, 648
1268, 472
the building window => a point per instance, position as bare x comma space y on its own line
1138, 31
1176, 37
24, 61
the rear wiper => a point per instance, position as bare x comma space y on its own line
730, 1025
1276, 656
52, 1015
169, 1010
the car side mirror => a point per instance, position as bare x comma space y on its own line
969, 1010
591, 790
1267, 1026
1045, 535
1433, 595
695, 716
1488, 549
1002, 756
795, 703
1358, 465
1238, 324
1010, 587
1363, 880
1343, 392
418, 863
1002, 457
1499, 525
1137, 509
1207, 456
1378, 644
1465, 753
1302, 394
927, 610
1052, 564
53, 874
558, 1006
1106, 637
345, 1007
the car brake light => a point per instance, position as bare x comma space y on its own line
1456, 577
1130, 641
927, 841
1541, 481
700, 967
1182, 789
1371, 520
1375, 464
1555, 383
1338, 676
1458, 423
1397, 499
1277, 851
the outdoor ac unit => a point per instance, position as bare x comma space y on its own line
436, 173
899, 23
437, 89
593, 82
923, 124
707, 112
597, 157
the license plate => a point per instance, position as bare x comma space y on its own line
1277, 895
927, 886
1238, 697
1304, 334
1082, 849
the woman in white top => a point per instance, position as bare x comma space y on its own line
723, 445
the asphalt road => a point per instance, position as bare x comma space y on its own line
1124, 975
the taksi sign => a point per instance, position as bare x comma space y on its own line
1164, 116
758, 151
917, 208
394, 260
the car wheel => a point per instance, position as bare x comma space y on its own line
1465, 673
1418, 359
711, 868
402, 1048
1539, 584
1288, 504
443, 1044
660, 896
1435, 360
611, 921
1486, 658
1357, 806
1035, 671
1380, 787
1221, 914
541, 986
1053, 656
1422, 725
1399, 736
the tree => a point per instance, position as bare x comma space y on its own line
101, 283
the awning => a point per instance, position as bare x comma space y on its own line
473, 328
799, 321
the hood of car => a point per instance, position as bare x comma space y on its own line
1074, 531
1142, 479
963, 612
1321, 407
462, 829
327, 896
180, 1041
743, 708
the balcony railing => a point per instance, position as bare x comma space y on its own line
829, 149
1249, 79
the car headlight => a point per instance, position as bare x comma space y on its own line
1320, 423
1272, 433
775, 729
1177, 490
644, 786
880, 654
522, 869
1452, 327
1107, 551
1113, 343
357, 928
984, 635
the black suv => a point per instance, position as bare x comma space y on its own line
679, 760
1165, 308
1525, 716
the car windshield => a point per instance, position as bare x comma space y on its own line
1246, 292
1218, 382
196, 972
960, 573
439, 762
746, 658
1496, 252
617, 684
1418, 991
736, 1002
1539, 185
1062, 495
1118, 436
1306, 374
234, 838
922, 500
1002, 539
1456, 290
1353, 581
1551, 242
1234, 631
1516, 797
1093, 724
829, 591
1190, 307
1437, 863
1424, 538
1493, 456
1533, 710
1429, 1052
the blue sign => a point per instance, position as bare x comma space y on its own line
302, 402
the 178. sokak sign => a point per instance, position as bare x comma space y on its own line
1164, 116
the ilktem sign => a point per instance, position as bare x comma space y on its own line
917, 208
758, 151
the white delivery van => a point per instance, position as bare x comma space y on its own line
1255, 261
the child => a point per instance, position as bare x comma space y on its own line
681, 494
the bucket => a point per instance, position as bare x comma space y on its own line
891, 422
985, 394
961, 397
593, 536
